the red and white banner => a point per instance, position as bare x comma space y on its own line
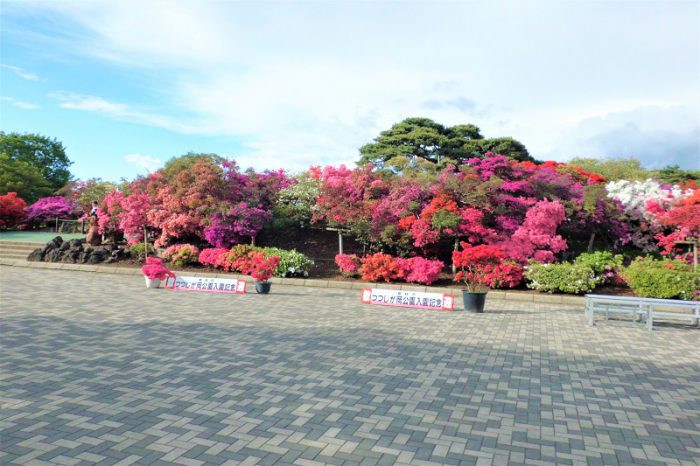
215, 285
412, 299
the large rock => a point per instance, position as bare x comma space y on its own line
36, 255
76, 251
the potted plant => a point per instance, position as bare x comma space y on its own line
474, 263
262, 268
154, 271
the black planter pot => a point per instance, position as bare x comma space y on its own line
263, 287
474, 302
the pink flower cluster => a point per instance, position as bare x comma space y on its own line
384, 267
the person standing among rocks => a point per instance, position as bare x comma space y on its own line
93, 236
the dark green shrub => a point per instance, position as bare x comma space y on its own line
563, 277
139, 251
662, 279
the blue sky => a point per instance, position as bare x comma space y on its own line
127, 85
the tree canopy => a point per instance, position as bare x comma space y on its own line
28, 155
415, 140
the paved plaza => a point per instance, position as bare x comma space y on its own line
96, 369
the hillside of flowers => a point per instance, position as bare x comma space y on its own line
500, 222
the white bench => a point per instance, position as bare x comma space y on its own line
647, 308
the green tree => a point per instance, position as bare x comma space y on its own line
46, 155
413, 138
676, 175
23, 178
509, 147
184, 162
613, 169
409, 143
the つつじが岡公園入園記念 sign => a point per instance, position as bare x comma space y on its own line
411, 299
215, 285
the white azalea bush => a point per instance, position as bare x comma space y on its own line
636, 197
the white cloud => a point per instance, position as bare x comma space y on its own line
145, 162
22, 73
19, 103
300, 83
120, 111
657, 135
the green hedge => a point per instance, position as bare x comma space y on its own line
563, 277
662, 279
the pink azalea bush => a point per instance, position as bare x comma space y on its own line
181, 254
154, 268
214, 257
347, 263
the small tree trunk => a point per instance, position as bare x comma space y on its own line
454, 269
590, 242
252, 240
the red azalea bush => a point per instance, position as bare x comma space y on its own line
380, 266
484, 266
385, 267
154, 269
262, 268
239, 258
348, 263
504, 275
181, 254
11, 210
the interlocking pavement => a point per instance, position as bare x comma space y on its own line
96, 369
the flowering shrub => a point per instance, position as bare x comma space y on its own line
214, 257
536, 238
643, 202
380, 266
11, 210
385, 267
604, 264
473, 263
154, 269
292, 263
506, 274
563, 277
48, 208
348, 263
239, 258
662, 279
181, 254
260, 267
241, 222
420, 270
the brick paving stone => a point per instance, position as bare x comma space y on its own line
96, 369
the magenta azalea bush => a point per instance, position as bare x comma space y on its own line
48, 208
181, 254
154, 268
